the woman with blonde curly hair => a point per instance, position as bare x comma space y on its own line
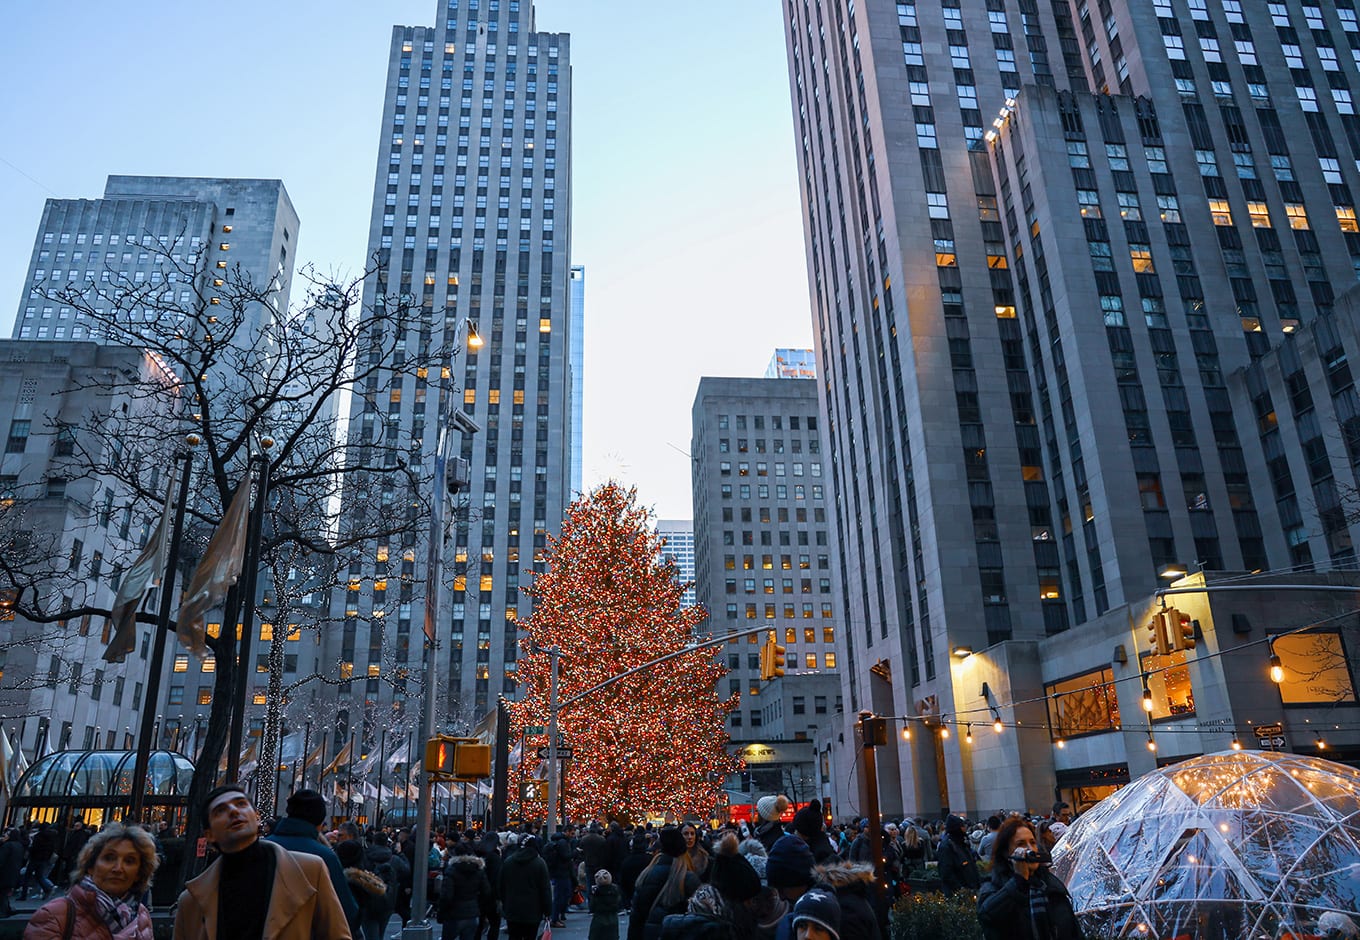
112, 874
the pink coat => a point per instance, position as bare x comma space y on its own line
49, 922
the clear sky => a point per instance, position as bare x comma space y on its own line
685, 195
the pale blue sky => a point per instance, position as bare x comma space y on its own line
685, 193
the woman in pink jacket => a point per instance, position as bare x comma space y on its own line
111, 877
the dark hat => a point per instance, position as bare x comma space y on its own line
350, 853
307, 805
213, 794
734, 877
789, 864
808, 820
955, 824
820, 907
673, 842
1059, 806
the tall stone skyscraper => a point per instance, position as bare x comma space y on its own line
471, 219
1045, 241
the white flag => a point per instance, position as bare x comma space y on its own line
144, 573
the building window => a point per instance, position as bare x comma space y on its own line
1315, 669
18, 436
1169, 682
1085, 704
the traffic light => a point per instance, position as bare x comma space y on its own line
1180, 629
771, 659
1159, 640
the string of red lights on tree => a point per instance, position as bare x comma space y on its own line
650, 744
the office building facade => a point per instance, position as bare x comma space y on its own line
471, 219
1041, 240
678, 549
578, 369
153, 230
792, 364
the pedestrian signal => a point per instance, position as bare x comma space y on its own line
533, 789
459, 759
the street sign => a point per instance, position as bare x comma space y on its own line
563, 753
1269, 731
535, 729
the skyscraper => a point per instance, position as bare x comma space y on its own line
1041, 240
679, 536
119, 243
578, 368
471, 219
792, 364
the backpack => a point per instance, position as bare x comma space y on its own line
388, 873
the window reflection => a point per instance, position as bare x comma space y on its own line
1315, 669
1085, 704
1169, 680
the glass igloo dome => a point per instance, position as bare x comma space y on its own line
1238, 844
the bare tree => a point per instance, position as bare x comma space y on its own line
236, 368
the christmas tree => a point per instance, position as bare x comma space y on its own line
652, 743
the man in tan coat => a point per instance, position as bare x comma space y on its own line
256, 890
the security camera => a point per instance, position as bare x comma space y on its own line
464, 422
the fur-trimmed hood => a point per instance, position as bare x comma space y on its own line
841, 875
366, 880
467, 861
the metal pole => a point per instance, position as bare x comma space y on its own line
551, 823
250, 575
500, 782
157, 666
382, 762
434, 582
301, 772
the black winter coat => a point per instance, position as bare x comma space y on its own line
524, 887
645, 921
632, 866
11, 862
958, 866
558, 853
697, 927
465, 890
853, 883
605, 903
1004, 912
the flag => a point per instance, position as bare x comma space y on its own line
401, 755
315, 756
485, 730
20, 765
248, 763
341, 758
144, 573
217, 571
6, 766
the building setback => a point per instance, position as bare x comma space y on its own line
471, 218
1041, 241
679, 550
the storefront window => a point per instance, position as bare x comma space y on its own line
1084, 704
1169, 679
1315, 669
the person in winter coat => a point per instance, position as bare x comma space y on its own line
663, 888
559, 855
769, 829
379, 860
853, 885
606, 900
733, 877
807, 825
300, 831
11, 868
633, 864
695, 852
594, 850
706, 917
617, 842
463, 894
489, 850
753, 850
368, 891
958, 864
525, 889
111, 876
1023, 900
41, 857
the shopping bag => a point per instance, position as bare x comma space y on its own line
545, 929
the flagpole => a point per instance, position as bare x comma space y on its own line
306, 753
157, 666
382, 765
249, 575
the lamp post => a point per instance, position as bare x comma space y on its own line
420, 926
157, 664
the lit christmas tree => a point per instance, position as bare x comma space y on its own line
652, 743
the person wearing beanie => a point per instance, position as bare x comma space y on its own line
817, 916
605, 903
807, 824
524, 889
789, 867
957, 863
769, 828
754, 852
663, 888
255, 888
300, 831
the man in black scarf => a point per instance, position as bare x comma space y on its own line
255, 887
